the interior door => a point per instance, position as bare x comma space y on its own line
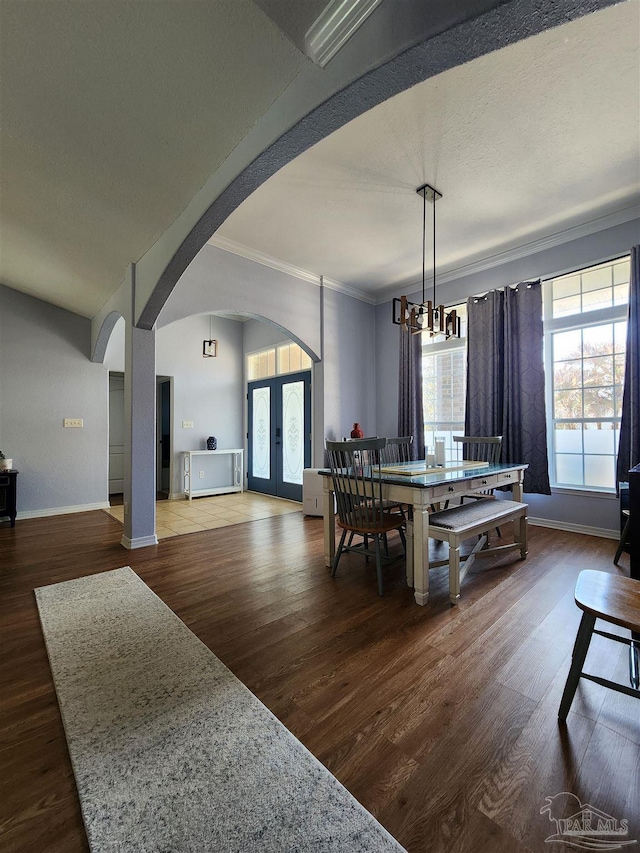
116, 433
279, 434
165, 436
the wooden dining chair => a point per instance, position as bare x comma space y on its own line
396, 452
360, 510
480, 448
612, 599
624, 537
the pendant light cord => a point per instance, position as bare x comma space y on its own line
434, 250
424, 238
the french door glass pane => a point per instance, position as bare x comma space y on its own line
292, 432
261, 420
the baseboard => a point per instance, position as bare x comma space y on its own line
60, 510
140, 542
603, 532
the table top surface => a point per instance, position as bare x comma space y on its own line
442, 475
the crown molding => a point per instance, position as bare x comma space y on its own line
347, 290
289, 269
585, 229
335, 25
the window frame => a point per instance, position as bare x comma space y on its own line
273, 348
566, 323
430, 346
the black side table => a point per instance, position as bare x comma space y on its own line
8, 482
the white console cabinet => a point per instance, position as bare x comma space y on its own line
236, 471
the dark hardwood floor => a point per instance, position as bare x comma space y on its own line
442, 721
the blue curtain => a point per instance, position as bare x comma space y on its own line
629, 445
410, 410
505, 377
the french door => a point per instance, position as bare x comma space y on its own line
279, 434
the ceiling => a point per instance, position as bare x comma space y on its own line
114, 118
111, 122
523, 143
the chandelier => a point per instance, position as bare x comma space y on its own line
210, 347
426, 316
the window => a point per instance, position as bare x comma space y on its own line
283, 358
444, 374
585, 337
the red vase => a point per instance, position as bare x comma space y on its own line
357, 432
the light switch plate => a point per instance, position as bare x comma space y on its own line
187, 424
73, 422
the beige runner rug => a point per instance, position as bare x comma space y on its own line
170, 751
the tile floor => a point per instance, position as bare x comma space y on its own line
173, 518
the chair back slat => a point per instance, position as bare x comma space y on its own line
355, 472
479, 448
397, 450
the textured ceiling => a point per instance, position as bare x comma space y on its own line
525, 142
119, 118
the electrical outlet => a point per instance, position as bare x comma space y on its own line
202, 475
187, 424
73, 422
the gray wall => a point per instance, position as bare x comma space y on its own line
207, 391
46, 376
600, 513
349, 365
218, 281
328, 324
258, 335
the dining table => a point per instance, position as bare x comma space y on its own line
423, 486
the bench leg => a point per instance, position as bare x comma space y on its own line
454, 572
522, 538
580, 649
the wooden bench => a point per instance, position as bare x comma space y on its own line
458, 523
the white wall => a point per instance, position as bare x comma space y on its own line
45, 377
